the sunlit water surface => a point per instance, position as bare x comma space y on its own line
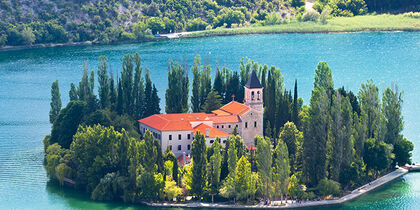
26, 77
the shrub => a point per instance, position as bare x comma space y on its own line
328, 187
412, 14
324, 16
310, 15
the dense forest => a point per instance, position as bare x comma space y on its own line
337, 142
24, 22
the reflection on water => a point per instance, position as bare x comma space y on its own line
26, 77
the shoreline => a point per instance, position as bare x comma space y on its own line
356, 24
349, 197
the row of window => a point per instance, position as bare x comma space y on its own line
180, 136
180, 147
223, 126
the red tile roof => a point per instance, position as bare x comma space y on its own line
213, 132
224, 119
229, 113
173, 122
235, 108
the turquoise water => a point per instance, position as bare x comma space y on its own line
26, 77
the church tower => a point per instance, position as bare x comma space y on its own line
253, 96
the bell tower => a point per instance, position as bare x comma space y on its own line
253, 96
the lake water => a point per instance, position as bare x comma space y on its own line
26, 77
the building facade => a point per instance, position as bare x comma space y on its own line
176, 131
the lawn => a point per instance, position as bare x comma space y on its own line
337, 24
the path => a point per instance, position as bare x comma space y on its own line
354, 194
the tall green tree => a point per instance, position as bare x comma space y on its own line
323, 78
391, 108
55, 101
315, 137
264, 161
370, 107
243, 178
73, 93
281, 168
103, 81
213, 168
196, 84
295, 111
199, 158
138, 89
177, 92
213, 102
293, 139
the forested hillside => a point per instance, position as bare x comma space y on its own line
24, 22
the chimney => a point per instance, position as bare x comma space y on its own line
207, 132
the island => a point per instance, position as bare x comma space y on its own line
242, 138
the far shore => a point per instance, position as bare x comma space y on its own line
351, 196
367, 23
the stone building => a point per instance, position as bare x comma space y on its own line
177, 130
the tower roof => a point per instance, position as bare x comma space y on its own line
253, 81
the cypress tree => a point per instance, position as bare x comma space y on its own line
120, 100
195, 98
213, 102
295, 112
73, 93
155, 101
55, 101
112, 93
138, 88
177, 92
218, 83
205, 85
148, 101
103, 81
199, 158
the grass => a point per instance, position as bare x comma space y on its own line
383, 22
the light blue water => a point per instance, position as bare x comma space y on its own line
26, 77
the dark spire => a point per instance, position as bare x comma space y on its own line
253, 81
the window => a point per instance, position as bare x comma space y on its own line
255, 124
170, 137
170, 147
236, 126
229, 126
188, 136
217, 126
252, 95
189, 147
258, 95
246, 124
223, 126
179, 147
224, 141
211, 141
179, 136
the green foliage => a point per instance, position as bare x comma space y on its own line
378, 155
196, 24
214, 168
55, 101
346, 8
177, 92
104, 190
171, 189
155, 24
293, 139
328, 187
243, 179
311, 15
198, 153
264, 161
213, 102
403, 151
295, 189
67, 122
281, 168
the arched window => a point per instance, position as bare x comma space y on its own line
252, 95
258, 95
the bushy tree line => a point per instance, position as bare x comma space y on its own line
359, 7
351, 139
